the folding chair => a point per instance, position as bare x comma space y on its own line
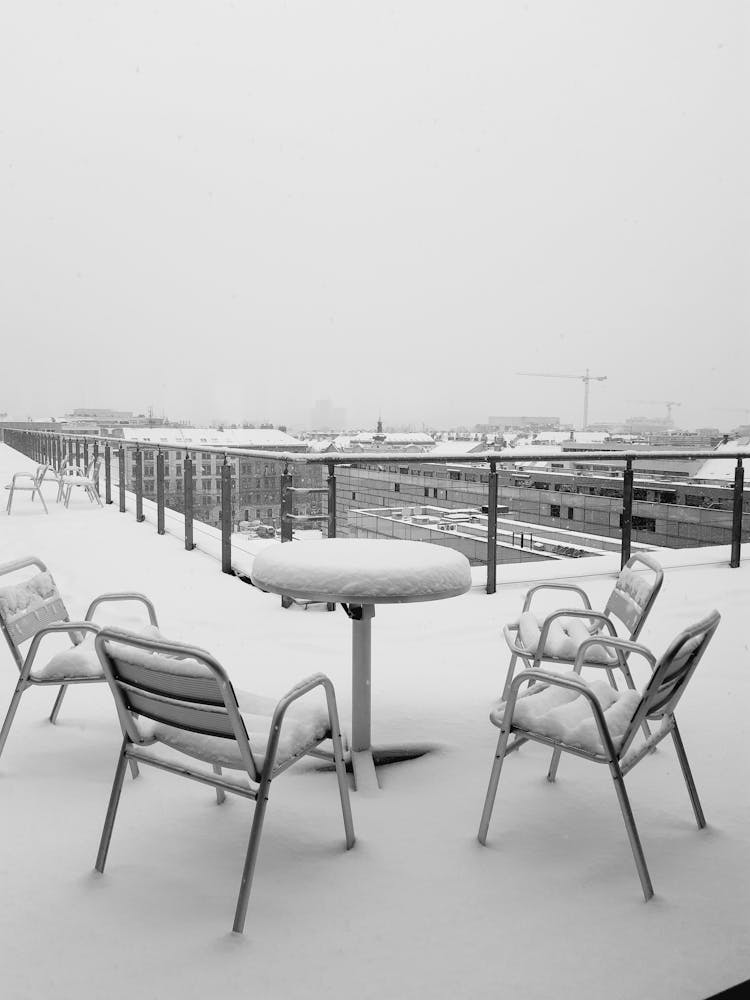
598, 723
33, 609
88, 480
181, 697
558, 637
27, 482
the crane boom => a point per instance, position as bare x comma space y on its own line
586, 379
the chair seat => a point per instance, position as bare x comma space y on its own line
564, 715
304, 727
564, 638
75, 663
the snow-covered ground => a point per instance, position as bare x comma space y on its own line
551, 907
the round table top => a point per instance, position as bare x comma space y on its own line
362, 571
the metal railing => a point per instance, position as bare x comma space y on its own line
56, 448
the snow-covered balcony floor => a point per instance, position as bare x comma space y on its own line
552, 906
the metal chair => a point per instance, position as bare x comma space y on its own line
598, 723
181, 697
533, 640
27, 482
88, 480
33, 609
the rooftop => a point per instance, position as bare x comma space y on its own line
552, 906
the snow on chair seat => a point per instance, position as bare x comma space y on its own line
180, 696
563, 639
31, 609
558, 636
564, 714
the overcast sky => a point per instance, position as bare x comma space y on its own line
231, 210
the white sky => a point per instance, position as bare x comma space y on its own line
232, 210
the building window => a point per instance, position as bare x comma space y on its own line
397, 487
434, 492
570, 513
426, 491
644, 523
554, 510
354, 496
454, 475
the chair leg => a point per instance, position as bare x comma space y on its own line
687, 775
489, 801
554, 764
251, 857
346, 806
220, 793
114, 801
134, 768
41, 498
635, 842
58, 703
10, 715
10, 500
509, 676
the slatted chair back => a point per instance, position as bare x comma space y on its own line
28, 606
180, 686
41, 472
635, 592
672, 674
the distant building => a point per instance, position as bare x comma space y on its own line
256, 483
523, 423
324, 416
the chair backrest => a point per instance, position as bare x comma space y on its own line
28, 605
92, 470
180, 686
41, 472
635, 592
672, 673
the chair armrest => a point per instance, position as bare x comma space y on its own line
555, 586
124, 596
23, 475
70, 627
621, 645
543, 678
294, 694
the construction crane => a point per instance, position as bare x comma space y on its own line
669, 403
586, 379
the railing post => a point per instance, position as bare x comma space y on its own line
78, 453
492, 530
85, 454
95, 456
160, 492
121, 476
331, 500
107, 474
286, 505
627, 512
739, 485
287, 526
187, 472
139, 484
226, 516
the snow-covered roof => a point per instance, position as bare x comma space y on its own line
458, 448
719, 469
231, 437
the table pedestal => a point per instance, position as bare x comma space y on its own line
363, 765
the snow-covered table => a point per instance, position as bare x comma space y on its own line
359, 573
